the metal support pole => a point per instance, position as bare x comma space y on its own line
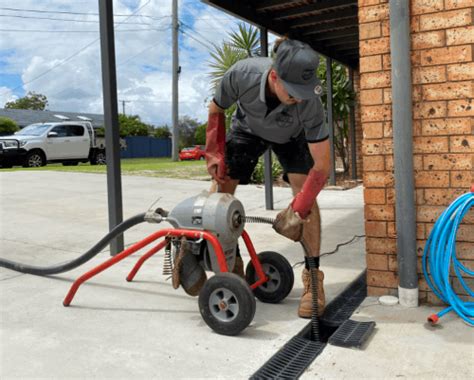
352, 130
112, 136
267, 157
402, 119
175, 141
332, 173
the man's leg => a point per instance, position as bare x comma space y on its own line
312, 245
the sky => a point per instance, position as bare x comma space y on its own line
52, 47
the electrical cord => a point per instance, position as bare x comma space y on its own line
439, 256
94, 251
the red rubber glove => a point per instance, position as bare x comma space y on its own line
215, 146
289, 222
304, 200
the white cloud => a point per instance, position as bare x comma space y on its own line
143, 58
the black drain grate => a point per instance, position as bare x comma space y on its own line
352, 334
291, 360
295, 356
343, 306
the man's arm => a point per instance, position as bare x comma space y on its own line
215, 143
289, 222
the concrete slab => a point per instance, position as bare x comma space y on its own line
145, 329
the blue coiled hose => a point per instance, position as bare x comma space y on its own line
440, 253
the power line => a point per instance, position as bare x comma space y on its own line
76, 31
82, 13
195, 31
195, 39
76, 53
67, 19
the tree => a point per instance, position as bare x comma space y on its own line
162, 132
7, 126
200, 134
342, 98
132, 126
32, 101
187, 128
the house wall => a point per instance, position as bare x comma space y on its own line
442, 37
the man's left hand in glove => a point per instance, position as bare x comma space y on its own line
290, 221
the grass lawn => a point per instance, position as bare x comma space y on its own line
151, 167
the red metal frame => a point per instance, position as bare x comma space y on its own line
167, 232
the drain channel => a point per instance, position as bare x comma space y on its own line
334, 326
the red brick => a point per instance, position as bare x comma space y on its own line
461, 71
447, 162
374, 46
374, 291
378, 179
382, 279
373, 163
374, 196
431, 74
372, 130
376, 229
386, 62
461, 108
391, 230
461, 144
386, 28
415, 24
447, 126
428, 214
462, 179
370, 64
376, 262
379, 212
370, 30
428, 40
376, 147
420, 231
387, 129
460, 36
419, 197
441, 56
455, 4
465, 233
381, 245
432, 179
430, 144
429, 110
445, 20
450, 90
376, 113
441, 197
371, 97
375, 80
374, 13
426, 6
464, 251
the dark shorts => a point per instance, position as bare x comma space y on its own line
243, 150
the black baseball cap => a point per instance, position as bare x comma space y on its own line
296, 63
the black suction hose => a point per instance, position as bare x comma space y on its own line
60, 268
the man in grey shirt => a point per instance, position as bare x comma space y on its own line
278, 107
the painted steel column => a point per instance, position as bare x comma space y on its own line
403, 152
352, 130
112, 136
175, 98
332, 173
267, 157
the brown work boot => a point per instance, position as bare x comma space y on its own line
239, 267
306, 302
187, 271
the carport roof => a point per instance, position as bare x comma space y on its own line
330, 26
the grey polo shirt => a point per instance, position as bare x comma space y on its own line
244, 83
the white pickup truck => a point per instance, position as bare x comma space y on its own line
69, 142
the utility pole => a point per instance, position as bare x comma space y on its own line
174, 111
123, 105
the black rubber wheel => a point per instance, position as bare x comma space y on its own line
34, 159
280, 273
227, 304
99, 158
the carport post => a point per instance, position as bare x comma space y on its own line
112, 137
332, 173
352, 130
267, 163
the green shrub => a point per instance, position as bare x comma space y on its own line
162, 133
7, 126
258, 174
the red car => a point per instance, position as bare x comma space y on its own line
193, 153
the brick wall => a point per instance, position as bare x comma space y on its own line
442, 37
